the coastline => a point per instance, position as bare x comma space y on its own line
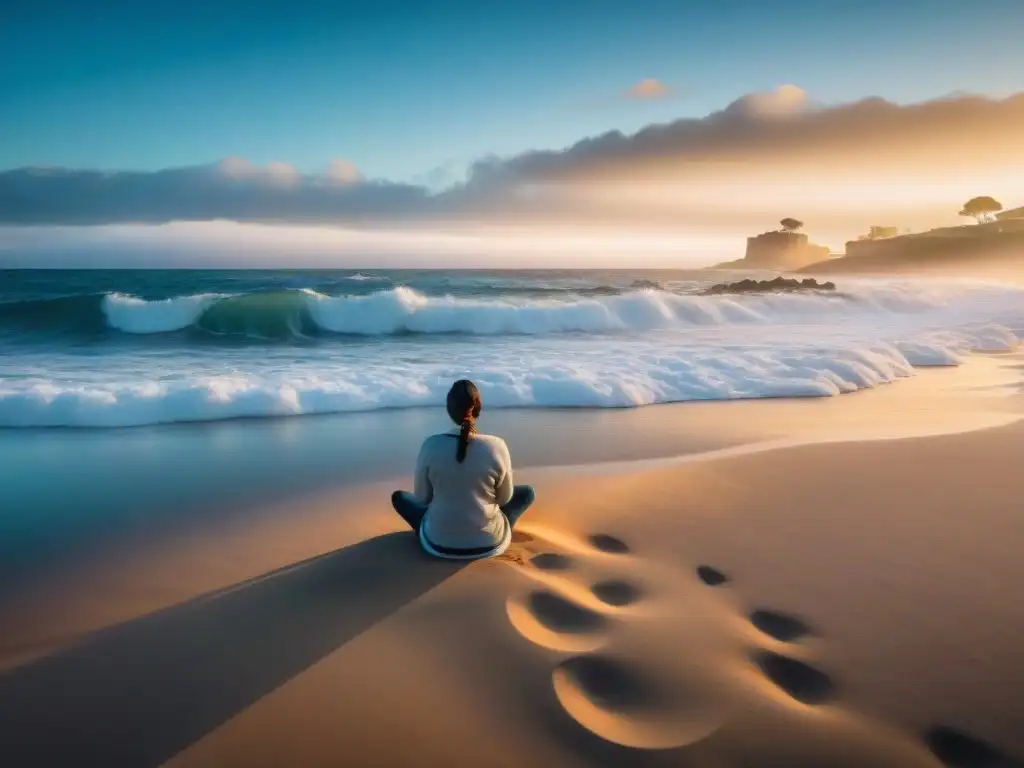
157, 478
849, 513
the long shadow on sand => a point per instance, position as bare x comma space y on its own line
138, 693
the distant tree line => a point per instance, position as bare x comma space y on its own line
981, 209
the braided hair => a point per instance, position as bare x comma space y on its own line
464, 408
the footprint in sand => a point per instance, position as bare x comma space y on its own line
618, 702
614, 698
561, 615
616, 592
556, 622
551, 561
797, 678
781, 626
956, 749
609, 544
711, 576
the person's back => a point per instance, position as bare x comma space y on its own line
464, 498
464, 504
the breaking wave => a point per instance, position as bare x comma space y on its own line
292, 314
149, 361
620, 376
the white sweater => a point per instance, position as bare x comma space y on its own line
464, 499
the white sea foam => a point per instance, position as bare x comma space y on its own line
403, 310
632, 349
134, 315
597, 374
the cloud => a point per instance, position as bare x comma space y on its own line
342, 172
275, 173
448, 174
233, 189
647, 90
786, 100
764, 156
782, 129
237, 168
777, 154
282, 174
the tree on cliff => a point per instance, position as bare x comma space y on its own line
981, 208
792, 225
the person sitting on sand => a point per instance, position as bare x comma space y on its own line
463, 504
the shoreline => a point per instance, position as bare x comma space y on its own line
308, 352
223, 470
137, 486
296, 616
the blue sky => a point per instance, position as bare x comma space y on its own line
402, 88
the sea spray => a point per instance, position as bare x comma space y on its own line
401, 310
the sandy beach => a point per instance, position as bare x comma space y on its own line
771, 583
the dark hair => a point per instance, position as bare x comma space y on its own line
464, 408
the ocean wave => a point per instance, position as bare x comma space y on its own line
80, 314
294, 314
134, 315
616, 376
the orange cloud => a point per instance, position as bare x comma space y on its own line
781, 136
648, 90
342, 172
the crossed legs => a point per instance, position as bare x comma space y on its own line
410, 510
